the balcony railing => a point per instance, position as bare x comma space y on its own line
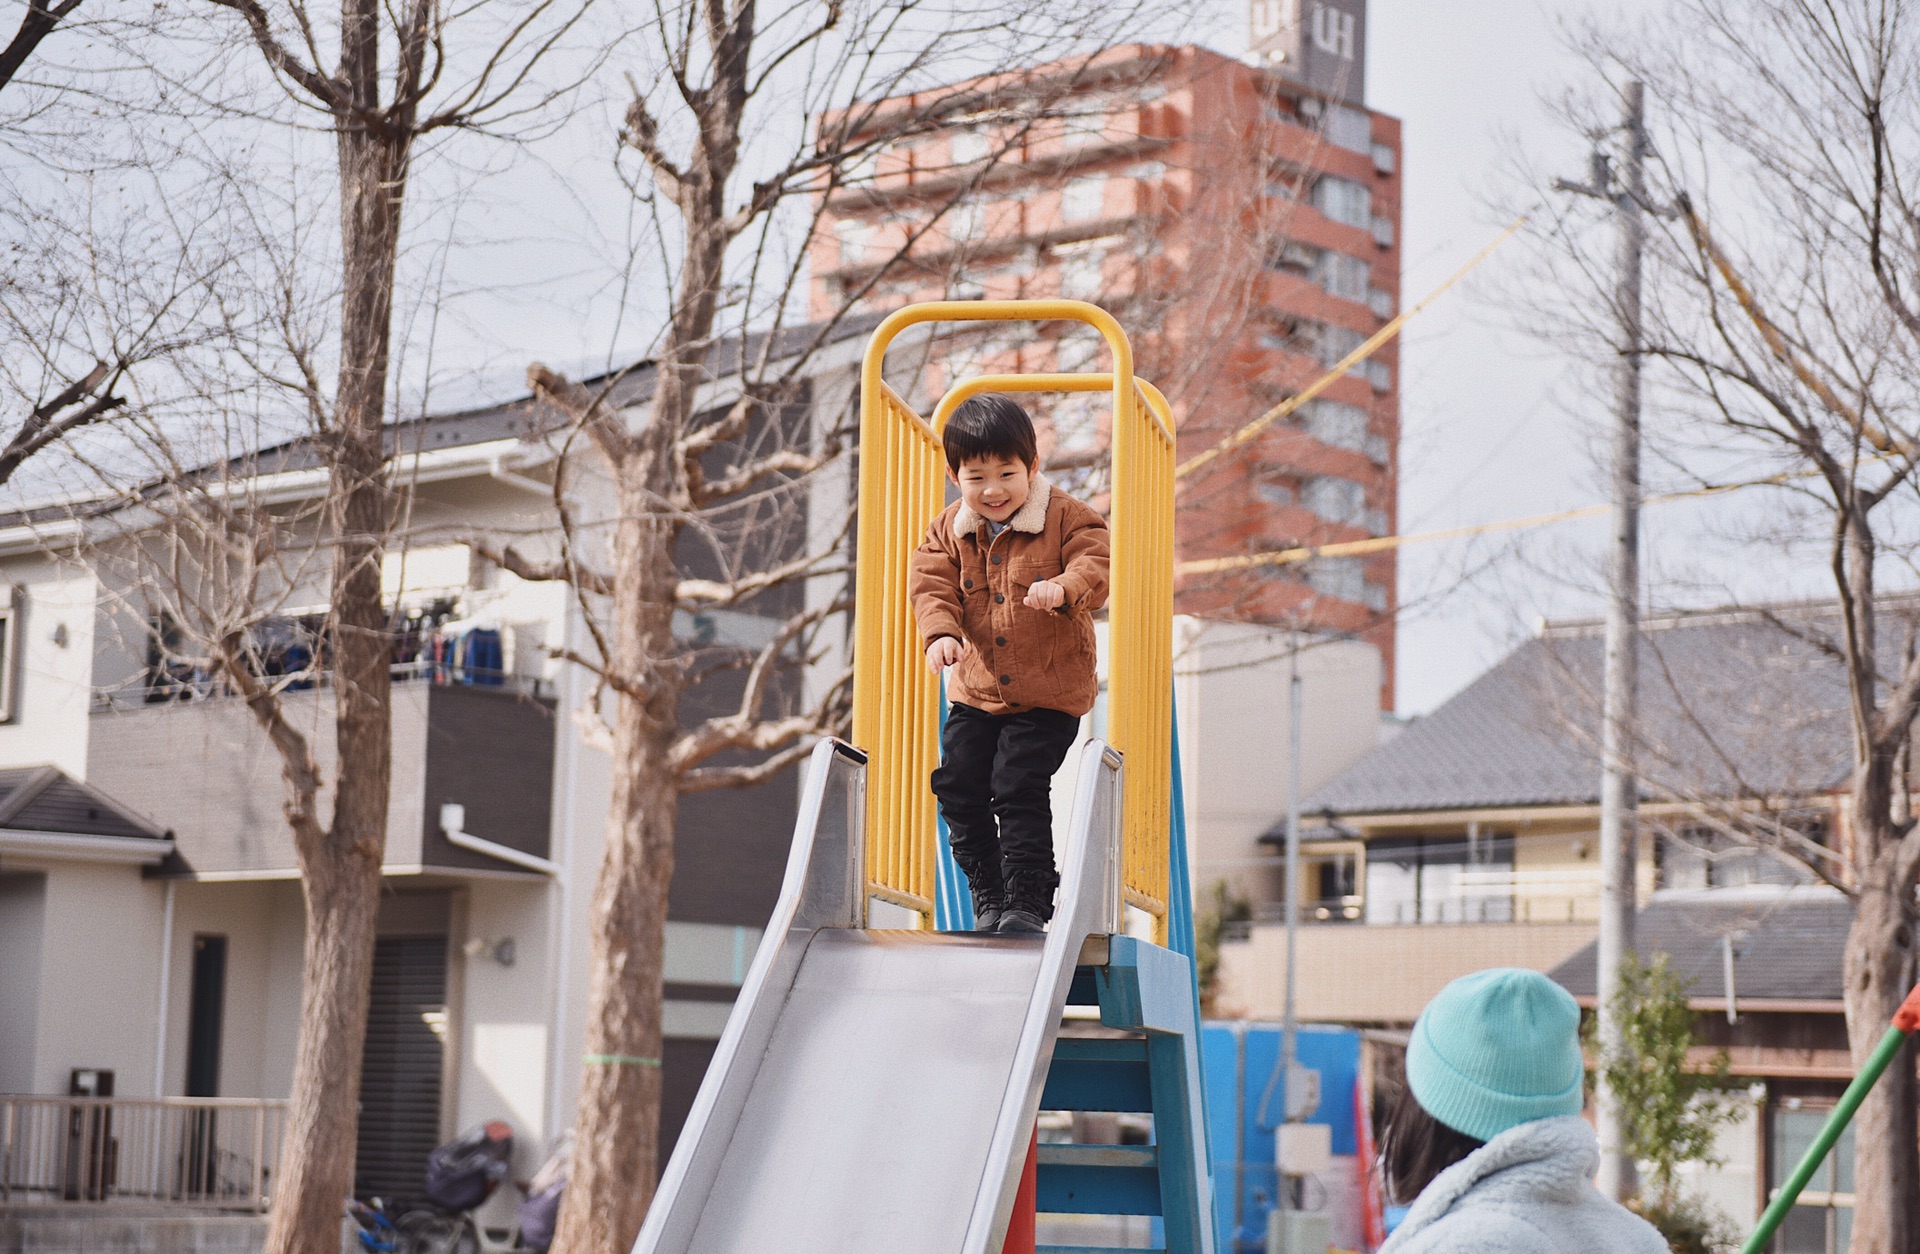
199, 1152
162, 690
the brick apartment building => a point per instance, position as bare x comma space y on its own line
1241, 217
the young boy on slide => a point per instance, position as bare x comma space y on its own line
1004, 588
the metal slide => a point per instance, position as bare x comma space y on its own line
875, 1091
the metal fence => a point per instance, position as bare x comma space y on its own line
217, 1152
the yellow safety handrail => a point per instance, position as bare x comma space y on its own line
901, 469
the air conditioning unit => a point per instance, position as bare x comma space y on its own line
1303, 1149
1298, 1232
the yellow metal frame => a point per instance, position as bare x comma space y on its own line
895, 697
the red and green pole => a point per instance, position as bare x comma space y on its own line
1906, 1021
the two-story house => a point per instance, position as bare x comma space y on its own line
1470, 840
151, 917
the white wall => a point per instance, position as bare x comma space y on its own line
100, 967
55, 681
264, 928
1231, 684
1731, 1188
22, 923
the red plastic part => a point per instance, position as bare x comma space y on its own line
1020, 1227
1907, 1018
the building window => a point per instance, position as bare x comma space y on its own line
1338, 424
1349, 128
863, 168
1345, 277
1082, 273
968, 146
1339, 577
1076, 424
1274, 492
1296, 258
1440, 879
1344, 201
1337, 500
11, 601
1697, 858
1333, 344
856, 239
966, 220
1084, 199
1078, 130
1822, 1221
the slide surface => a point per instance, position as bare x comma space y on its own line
876, 1090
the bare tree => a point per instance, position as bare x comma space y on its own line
35, 25
398, 74
744, 124
1784, 309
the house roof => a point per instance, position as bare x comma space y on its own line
520, 417
1787, 943
1733, 703
45, 799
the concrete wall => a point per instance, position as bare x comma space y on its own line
90, 1231
1231, 681
23, 911
1377, 973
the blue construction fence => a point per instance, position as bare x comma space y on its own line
1246, 1100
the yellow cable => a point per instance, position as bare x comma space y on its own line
1346, 363
1381, 544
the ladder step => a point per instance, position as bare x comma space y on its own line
1099, 1073
1099, 1180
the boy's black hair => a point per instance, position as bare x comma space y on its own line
989, 425
1416, 1147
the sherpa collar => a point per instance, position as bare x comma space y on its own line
1030, 517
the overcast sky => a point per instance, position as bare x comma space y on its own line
1496, 423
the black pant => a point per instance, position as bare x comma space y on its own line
993, 783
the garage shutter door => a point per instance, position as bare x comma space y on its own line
400, 1077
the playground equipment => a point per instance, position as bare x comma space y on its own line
1906, 1021
877, 1089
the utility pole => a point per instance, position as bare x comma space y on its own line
1619, 783
1289, 1027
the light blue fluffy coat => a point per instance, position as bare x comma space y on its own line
1527, 1191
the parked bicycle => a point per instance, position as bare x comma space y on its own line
377, 1233
461, 1176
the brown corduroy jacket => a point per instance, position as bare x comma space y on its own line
970, 584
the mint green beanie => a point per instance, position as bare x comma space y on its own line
1497, 1049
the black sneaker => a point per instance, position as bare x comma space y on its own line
1018, 922
988, 908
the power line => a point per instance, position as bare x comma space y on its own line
1382, 544
1346, 363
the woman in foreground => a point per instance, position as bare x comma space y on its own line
1487, 1142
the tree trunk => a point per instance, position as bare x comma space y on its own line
316, 1166
341, 872
1879, 971
617, 1122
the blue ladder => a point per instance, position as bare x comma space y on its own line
1146, 992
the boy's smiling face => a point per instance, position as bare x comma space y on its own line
995, 487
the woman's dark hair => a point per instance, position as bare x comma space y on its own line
989, 425
1416, 1147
